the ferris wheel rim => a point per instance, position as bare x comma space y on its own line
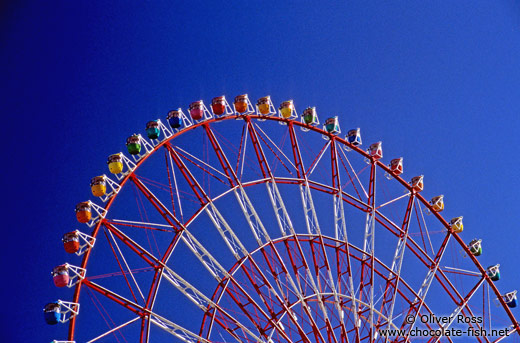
290, 123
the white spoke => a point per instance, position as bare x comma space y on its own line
425, 226
243, 155
188, 290
461, 306
275, 145
354, 172
176, 187
394, 200
282, 216
126, 264
140, 223
462, 270
114, 329
257, 228
176, 330
201, 161
397, 262
319, 159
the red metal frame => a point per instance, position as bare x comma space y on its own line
297, 257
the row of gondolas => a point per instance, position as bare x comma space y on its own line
87, 212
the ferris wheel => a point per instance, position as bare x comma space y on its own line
251, 223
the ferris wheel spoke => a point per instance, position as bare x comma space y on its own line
262, 160
140, 225
188, 176
267, 173
393, 200
392, 283
114, 330
510, 329
461, 307
168, 325
341, 235
247, 207
257, 271
203, 302
276, 146
367, 265
300, 170
340, 228
282, 216
421, 211
320, 260
219, 273
459, 298
157, 204
251, 216
176, 330
208, 166
308, 279
317, 159
225, 230
283, 219
353, 172
230, 174
410, 243
192, 293
311, 219
169, 167
418, 302
126, 265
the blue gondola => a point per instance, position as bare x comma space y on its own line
174, 119
354, 136
52, 313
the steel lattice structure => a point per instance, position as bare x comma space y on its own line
237, 229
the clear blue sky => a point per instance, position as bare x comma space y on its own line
438, 82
